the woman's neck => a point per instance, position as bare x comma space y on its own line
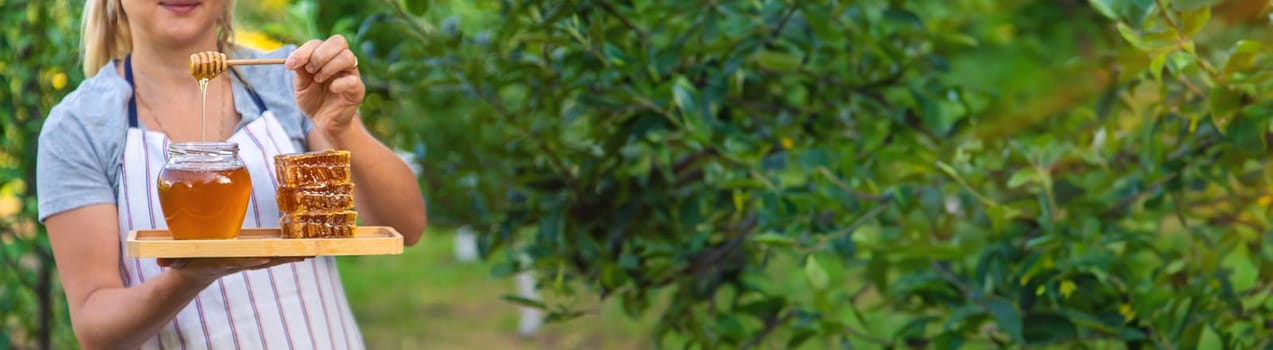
167, 66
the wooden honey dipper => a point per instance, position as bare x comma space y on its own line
210, 64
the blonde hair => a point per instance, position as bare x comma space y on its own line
105, 35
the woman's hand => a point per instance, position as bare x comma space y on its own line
328, 87
206, 270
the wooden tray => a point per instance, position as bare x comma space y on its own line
264, 242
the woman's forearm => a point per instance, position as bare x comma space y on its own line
387, 191
119, 318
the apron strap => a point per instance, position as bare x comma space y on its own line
132, 100
256, 99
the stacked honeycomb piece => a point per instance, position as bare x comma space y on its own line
315, 195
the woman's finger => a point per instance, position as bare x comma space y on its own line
349, 86
172, 262
297, 61
325, 52
344, 61
300, 57
276, 262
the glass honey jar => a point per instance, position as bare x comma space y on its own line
204, 190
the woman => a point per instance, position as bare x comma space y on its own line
101, 149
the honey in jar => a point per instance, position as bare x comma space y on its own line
204, 190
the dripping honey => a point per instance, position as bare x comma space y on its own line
203, 67
203, 109
204, 204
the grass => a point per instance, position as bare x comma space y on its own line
425, 298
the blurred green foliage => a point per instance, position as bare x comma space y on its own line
37, 56
938, 173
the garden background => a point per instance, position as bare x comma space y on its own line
769, 173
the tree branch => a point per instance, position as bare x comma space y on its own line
411, 23
950, 277
1117, 209
845, 187
709, 257
771, 322
13, 266
1165, 10
44, 293
822, 241
781, 24
866, 337
641, 35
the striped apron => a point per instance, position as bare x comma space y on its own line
292, 306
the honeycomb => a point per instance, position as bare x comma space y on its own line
315, 195
326, 197
319, 224
313, 168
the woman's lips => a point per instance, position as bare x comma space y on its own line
179, 7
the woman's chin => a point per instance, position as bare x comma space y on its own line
185, 35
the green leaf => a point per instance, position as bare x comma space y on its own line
961, 39
1247, 46
1130, 35
635, 304
1244, 275
902, 16
1021, 177
764, 307
1131, 11
1193, 21
774, 239
729, 326
946, 168
1008, 318
1255, 301
504, 269
777, 61
550, 227
614, 54
960, 317
1085, 320
1128, 333
1104, 8
1000, 215
1242, 55
1184, 314
517, 299
948, 341
612, 276
1224, 104
815, 274
1175, 266
1156, 65
877, 270
1180, 61
823, 27
686, 97
929, 112
561, 316
683, 92
416, 7
799, 337
914, 329
1047, 328
1209, 339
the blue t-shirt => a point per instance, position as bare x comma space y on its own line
81, 145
